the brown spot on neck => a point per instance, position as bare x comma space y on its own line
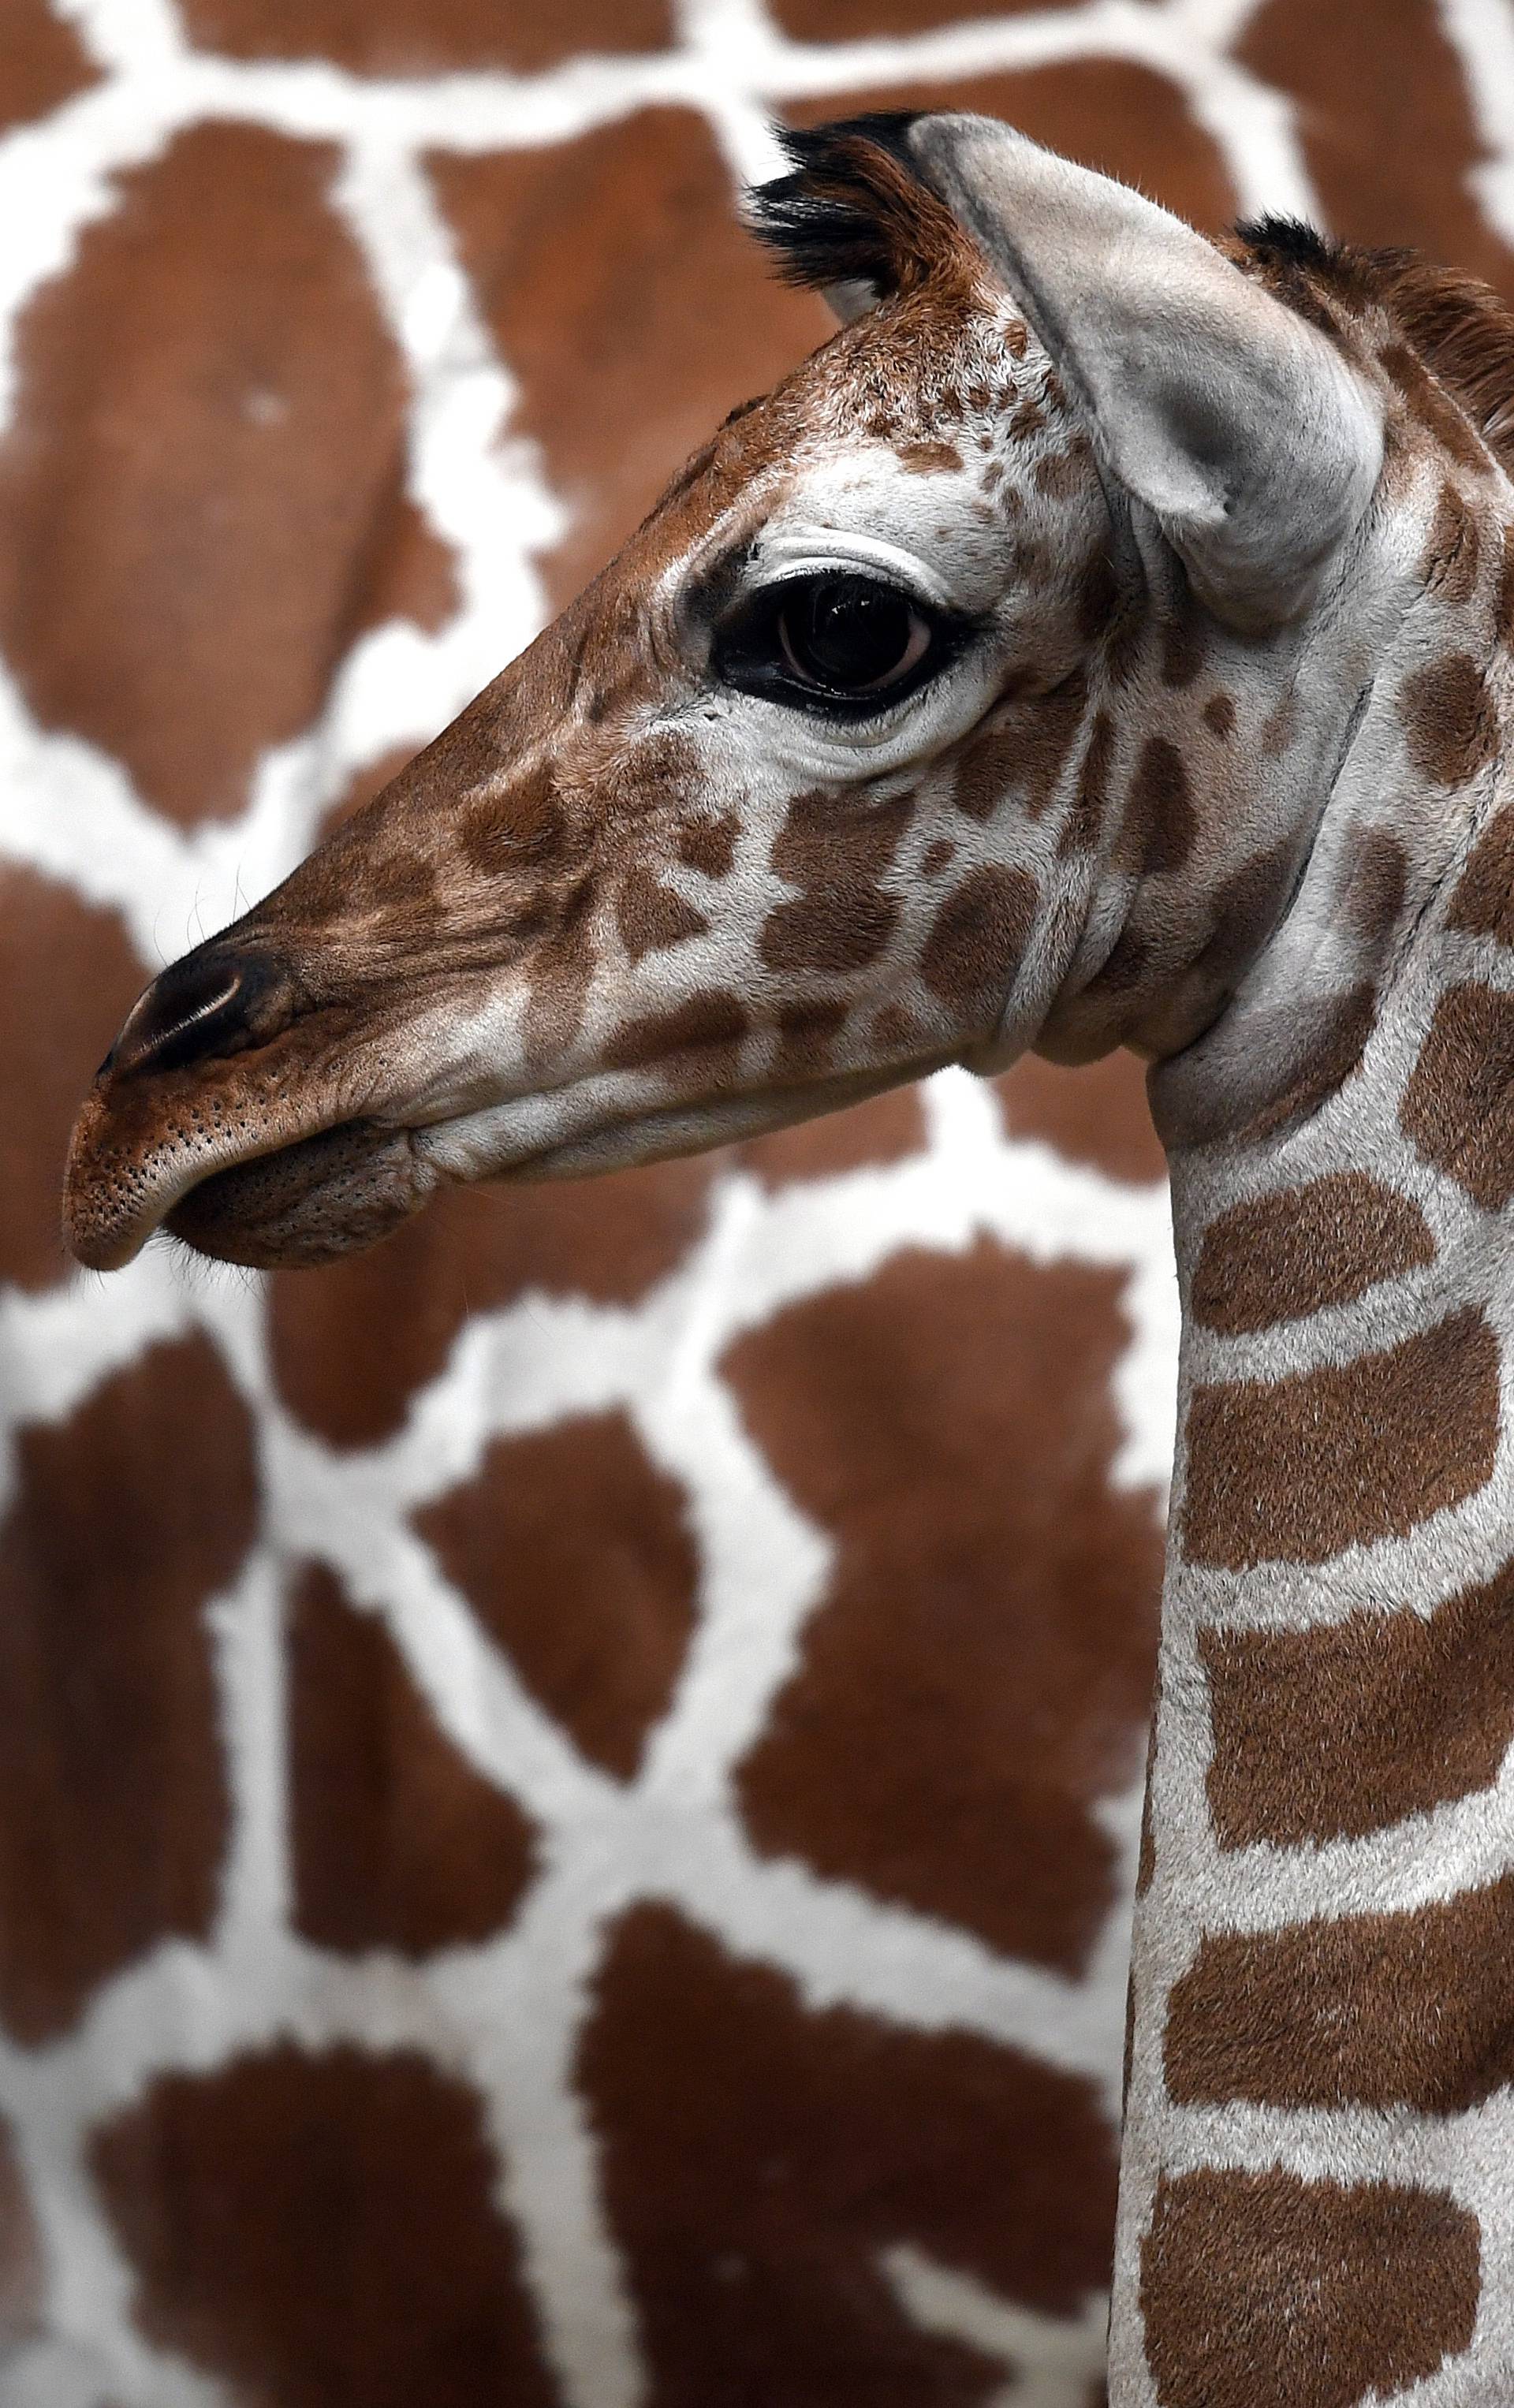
927, 459
1304, 1249
1450, 720
1377, 885
1384, 2010
1296, 1470
1159, 825
1456, 1106
1331, 1733
1349, 2289
1450, 563
1483, 901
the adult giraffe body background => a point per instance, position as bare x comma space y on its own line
561, 2018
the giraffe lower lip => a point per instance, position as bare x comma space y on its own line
307, 1203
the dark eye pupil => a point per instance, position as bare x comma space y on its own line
848, 633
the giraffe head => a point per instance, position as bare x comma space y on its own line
903, 732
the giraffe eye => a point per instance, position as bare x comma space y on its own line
850, 636
841, 643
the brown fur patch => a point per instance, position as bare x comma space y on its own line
650, 917
574, 1551
1098, 598
1245, 908
1042, 734
1456, 1105
1328, 1734
926, 459
934, 1557
985, 773
1061, 474
1123, 966
321, 2226
834, 849
1159, 825
220, 500
524, 828
759, 2157
1409, 2010
1321, 1044
1450, 720
1295, 1469
711, 1023
1303, 1250
807, 1031
1266, 2291
127, 1517
1083, 825
1449, 565
397, 1841
1483, 902
1097, 1113
1219, 716
897, 1031
709, 845
1377, 884
976, 939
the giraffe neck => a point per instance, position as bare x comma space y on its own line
1318, 2184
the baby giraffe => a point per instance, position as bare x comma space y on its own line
1104, 641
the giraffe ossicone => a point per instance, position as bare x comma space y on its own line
1104, 641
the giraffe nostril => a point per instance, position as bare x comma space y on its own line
213, 1002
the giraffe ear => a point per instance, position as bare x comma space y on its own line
1239, 425
850, 299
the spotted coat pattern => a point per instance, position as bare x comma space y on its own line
324, 1930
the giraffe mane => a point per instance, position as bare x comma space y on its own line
855, 210
1461, 328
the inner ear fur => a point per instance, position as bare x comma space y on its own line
1239, 425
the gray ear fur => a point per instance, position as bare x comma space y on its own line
1239, 426
849, 300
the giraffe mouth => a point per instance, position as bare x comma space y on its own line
342, 1188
